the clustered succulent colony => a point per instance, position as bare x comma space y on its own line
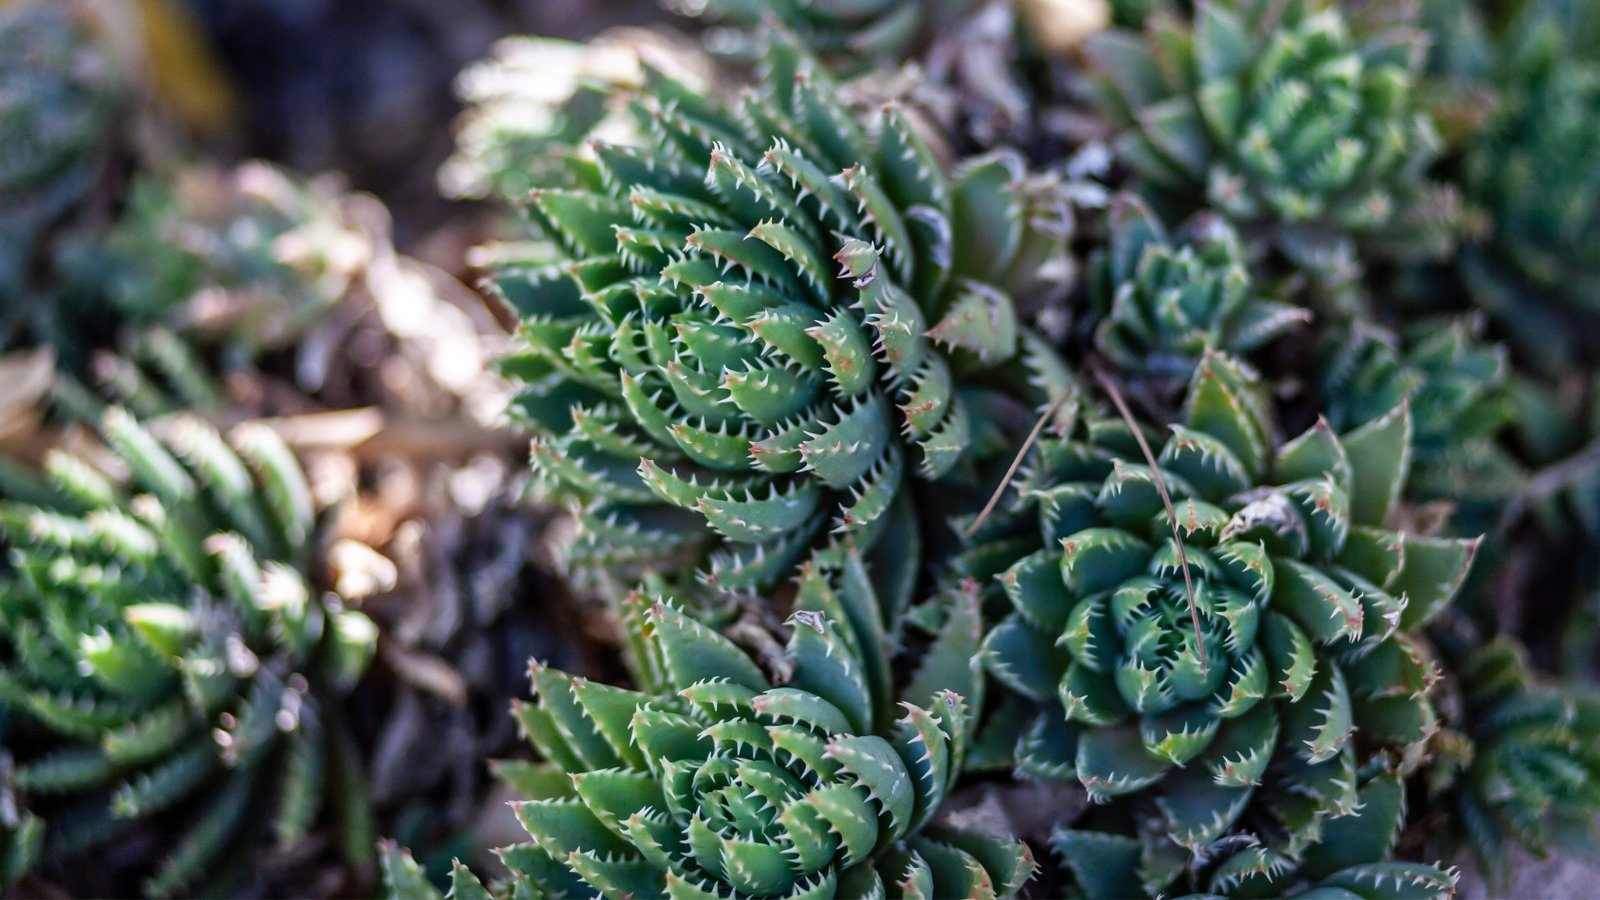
167, 649
1270, 507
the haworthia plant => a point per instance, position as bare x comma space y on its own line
166, 654
1229, 741
1296, 120
1457, 389
717, 777
1346, 862
529, 106
1526, 766
58, 100
1166, 301
850, 34
251, 256
764, 324
1530, 171
211, 271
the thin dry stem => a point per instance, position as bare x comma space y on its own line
1110, 388
1016, 463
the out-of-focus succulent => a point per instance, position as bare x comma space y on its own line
1304, 605
167, 657
1348, 858
251, 257
208, 277
529, 104
1557, 431
1165, 303
849, 34
58, 99
718, 779
698, 376
21, 832
534, 101
1295, 120
1457, 388
1530, 169
1527, 757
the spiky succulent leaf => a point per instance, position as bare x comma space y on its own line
1166, 302
1305, 605
166, 649
766, 324
1530, 775
1347, 859
1291, 119
1457, 390
717, 781
249, 257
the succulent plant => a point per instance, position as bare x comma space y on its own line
530, 104
1530, 170
717, 779
1557, 430
1458, 392
1232, 719
1347, 859
1528, 767
58, 100
21, 836
851, 34
166, 658
250, 256
696, 376
1164, 303
1295, 120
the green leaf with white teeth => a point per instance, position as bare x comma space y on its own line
1251, 720
166, 650
734, 786
766, 288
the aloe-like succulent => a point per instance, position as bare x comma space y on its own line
1527, 770
166, 658
58, 99
719, 778
250, 257
1165, 302
1348, 857
1557, 430
1530, 170
530, 104
850, 34
1232, 719
699, 378
1457, 388
1295, 120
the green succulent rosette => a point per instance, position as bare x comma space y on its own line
1236, 720
1522, 766
59, 98
851, 35
1297, 121
1165, 301
1458, 391
700, 379
1350, 856
1529, 171
166, 661
250, 256
717, 777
